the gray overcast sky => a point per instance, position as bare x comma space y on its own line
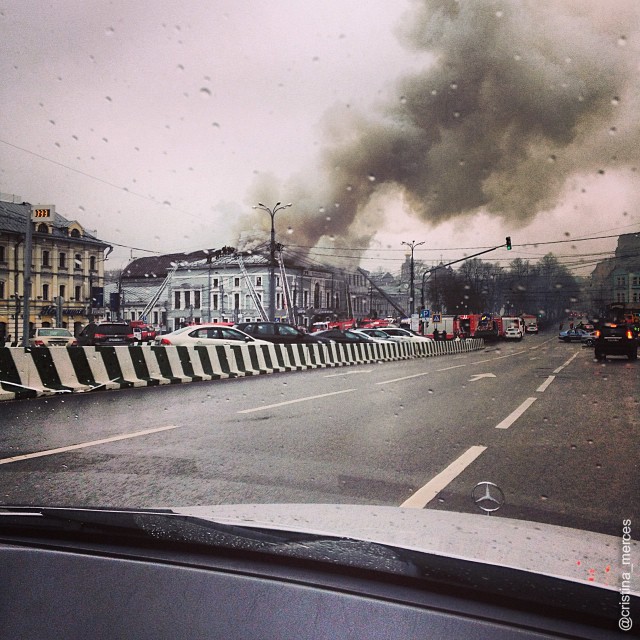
158, 124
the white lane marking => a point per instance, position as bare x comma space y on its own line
415, 375
348, 373
282, 404
545, 384
541, 344
418, 375
561, 367
455, 366
509, 355
514, 415
423, 496
92, 443
478, 376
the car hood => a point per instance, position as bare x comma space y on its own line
561, 552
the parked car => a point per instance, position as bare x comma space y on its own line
106, 334
280, 333
52, 337
375, 334
575, 335
210, 334
615, 339
337, 335
404, 335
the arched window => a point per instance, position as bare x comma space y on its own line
42, 228
92, 263
75, 233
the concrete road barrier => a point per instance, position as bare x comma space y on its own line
38, 371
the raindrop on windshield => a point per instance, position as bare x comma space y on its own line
205, 91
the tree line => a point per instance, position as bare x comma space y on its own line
545, 288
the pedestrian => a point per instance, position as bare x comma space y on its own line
436, 334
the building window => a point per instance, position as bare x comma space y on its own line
92, 263
258, 281
2, 291
74, 233
62, 260
45, 291
46, 256
62, 291
42, 228
316, 295
216, 282
278, 300
187, 299
196, 299
77, 261
277, 281
78, 292
327, 298
215, 302
305, 298
176, 299
236, 282
3, 257
236, 300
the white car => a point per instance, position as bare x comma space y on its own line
208, 334
404, 335
513, 333
52, 337
377, 335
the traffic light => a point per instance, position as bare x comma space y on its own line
509, 243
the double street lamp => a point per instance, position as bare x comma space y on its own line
412, 245
272, 254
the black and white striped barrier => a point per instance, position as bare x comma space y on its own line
29, 373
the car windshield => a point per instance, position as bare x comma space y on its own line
464, 169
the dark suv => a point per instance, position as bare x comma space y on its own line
106, 333
279, 332
616, 338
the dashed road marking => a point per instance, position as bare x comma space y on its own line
282, 404
82, 445
423, 496
545, 384
514, 415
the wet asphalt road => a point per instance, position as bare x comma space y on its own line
558, 432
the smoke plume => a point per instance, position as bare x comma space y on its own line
519, 98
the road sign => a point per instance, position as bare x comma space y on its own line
436, 317
425, 313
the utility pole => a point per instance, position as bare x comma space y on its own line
272, 255
412, 245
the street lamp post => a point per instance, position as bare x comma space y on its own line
272, 255
412, 245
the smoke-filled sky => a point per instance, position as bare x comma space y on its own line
160, 124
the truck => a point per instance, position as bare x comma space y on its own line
467, 324
446, 326
489, 328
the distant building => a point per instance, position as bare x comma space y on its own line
218, 286
617, 279
67, 271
